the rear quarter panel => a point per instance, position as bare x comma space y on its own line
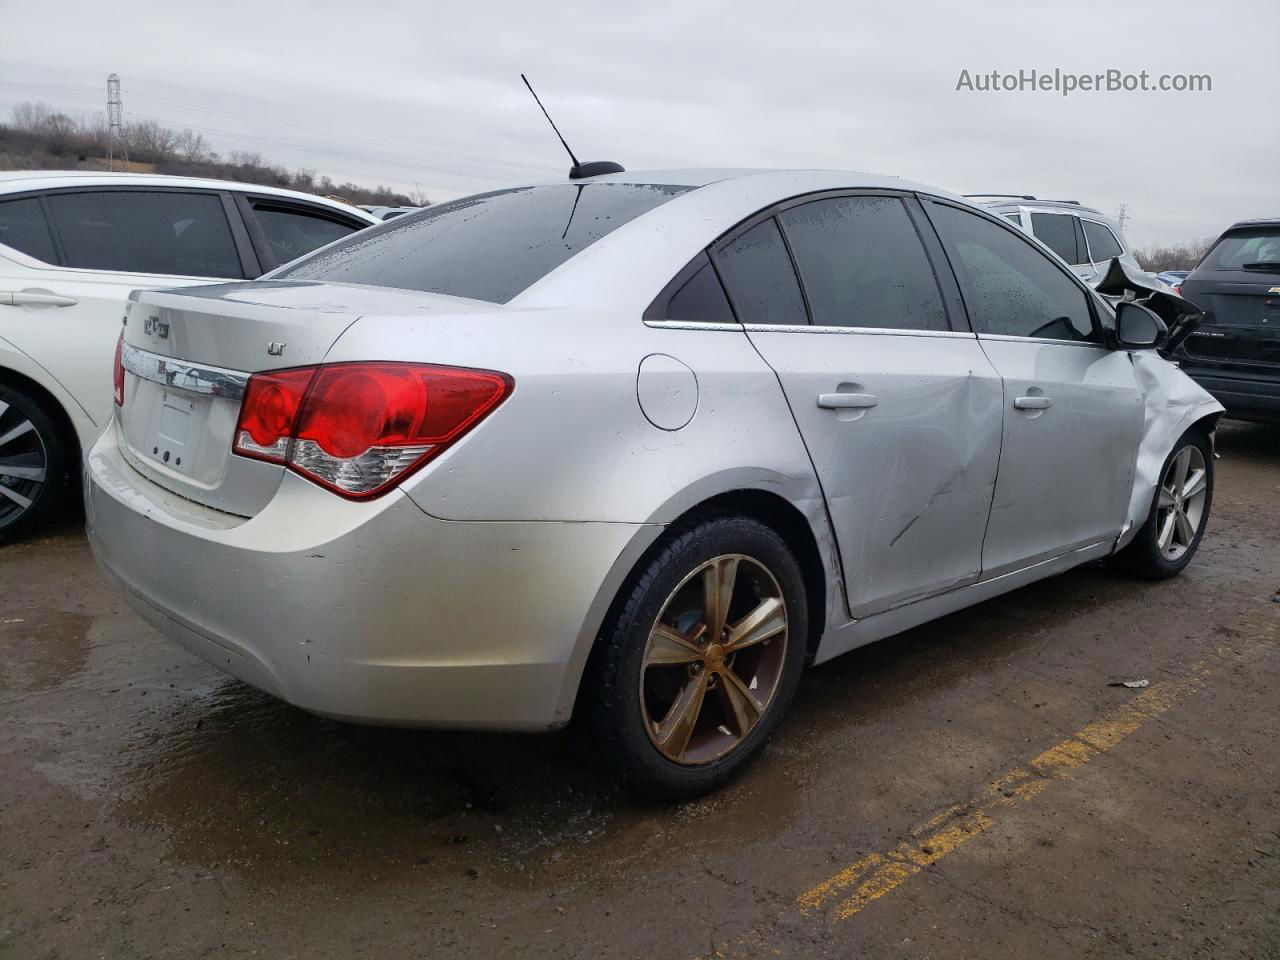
572, 443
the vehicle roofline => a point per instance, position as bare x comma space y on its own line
22, 181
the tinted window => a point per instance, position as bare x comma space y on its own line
862, 264
1009, 286
292, 232
1057, 231
185, 234
701, 299
1102, 242
758, 274
23, 227
1235, 251
1014, 218
487, 247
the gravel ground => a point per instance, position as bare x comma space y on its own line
973, 788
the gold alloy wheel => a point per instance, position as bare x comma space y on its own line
714, 659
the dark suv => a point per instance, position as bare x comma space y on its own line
1235, 354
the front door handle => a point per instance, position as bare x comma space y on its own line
1033, 403
37, 298
847, 401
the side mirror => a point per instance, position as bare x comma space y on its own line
1139, 327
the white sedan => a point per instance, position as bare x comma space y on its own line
72, 247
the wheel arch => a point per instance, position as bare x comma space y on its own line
54, 406
805, 531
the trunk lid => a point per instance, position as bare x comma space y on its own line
188, 354
1241, 324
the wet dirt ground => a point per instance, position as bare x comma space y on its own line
972, 788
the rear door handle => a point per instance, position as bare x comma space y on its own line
34, 298
846, 401
1033, 403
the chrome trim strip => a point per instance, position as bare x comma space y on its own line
1063, 343
693, 325
181, 375
873, 331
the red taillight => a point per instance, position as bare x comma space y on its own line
269, 412
361, 428
1177, 288
118, 372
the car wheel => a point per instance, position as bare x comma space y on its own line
700, 659
1179, 512
32, 464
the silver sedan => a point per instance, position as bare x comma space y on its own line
632, 450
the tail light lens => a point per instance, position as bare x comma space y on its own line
118, 372
361, 428
1177, 288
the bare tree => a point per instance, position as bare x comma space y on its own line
1177, 256
148, 140
192, 147
41, 137
31, 116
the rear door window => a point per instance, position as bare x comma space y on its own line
293, 231
23, 226
1057, 231
862, 264
1102, 242
1009, 286
759, 277
137, 231
491, 246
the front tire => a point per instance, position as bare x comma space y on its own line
33, 464
700, 659
1179, 512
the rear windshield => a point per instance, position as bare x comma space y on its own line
487, 247
1247, 250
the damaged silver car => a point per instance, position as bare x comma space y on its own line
634, 450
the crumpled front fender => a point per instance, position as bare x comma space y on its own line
1172, 403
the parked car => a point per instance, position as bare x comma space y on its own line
1173, 278
1084, 238
635, 448
388, 213
1235, 354
72, 246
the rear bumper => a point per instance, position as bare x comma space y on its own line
1244, 398
374, 612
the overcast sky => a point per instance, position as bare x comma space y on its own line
429, 94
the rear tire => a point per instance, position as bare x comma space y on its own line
1179, 512
685, 687
33, 464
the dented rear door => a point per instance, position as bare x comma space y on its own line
900, 412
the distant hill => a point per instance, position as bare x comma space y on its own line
41, 138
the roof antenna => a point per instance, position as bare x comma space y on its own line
578, 171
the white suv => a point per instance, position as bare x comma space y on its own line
1084, 238
72, 247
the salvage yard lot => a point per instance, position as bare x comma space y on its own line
971, 788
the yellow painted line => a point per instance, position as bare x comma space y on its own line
877, 874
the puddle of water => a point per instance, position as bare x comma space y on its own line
241, 781
40, 649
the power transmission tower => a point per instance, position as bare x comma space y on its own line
1122, 215
114, 109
